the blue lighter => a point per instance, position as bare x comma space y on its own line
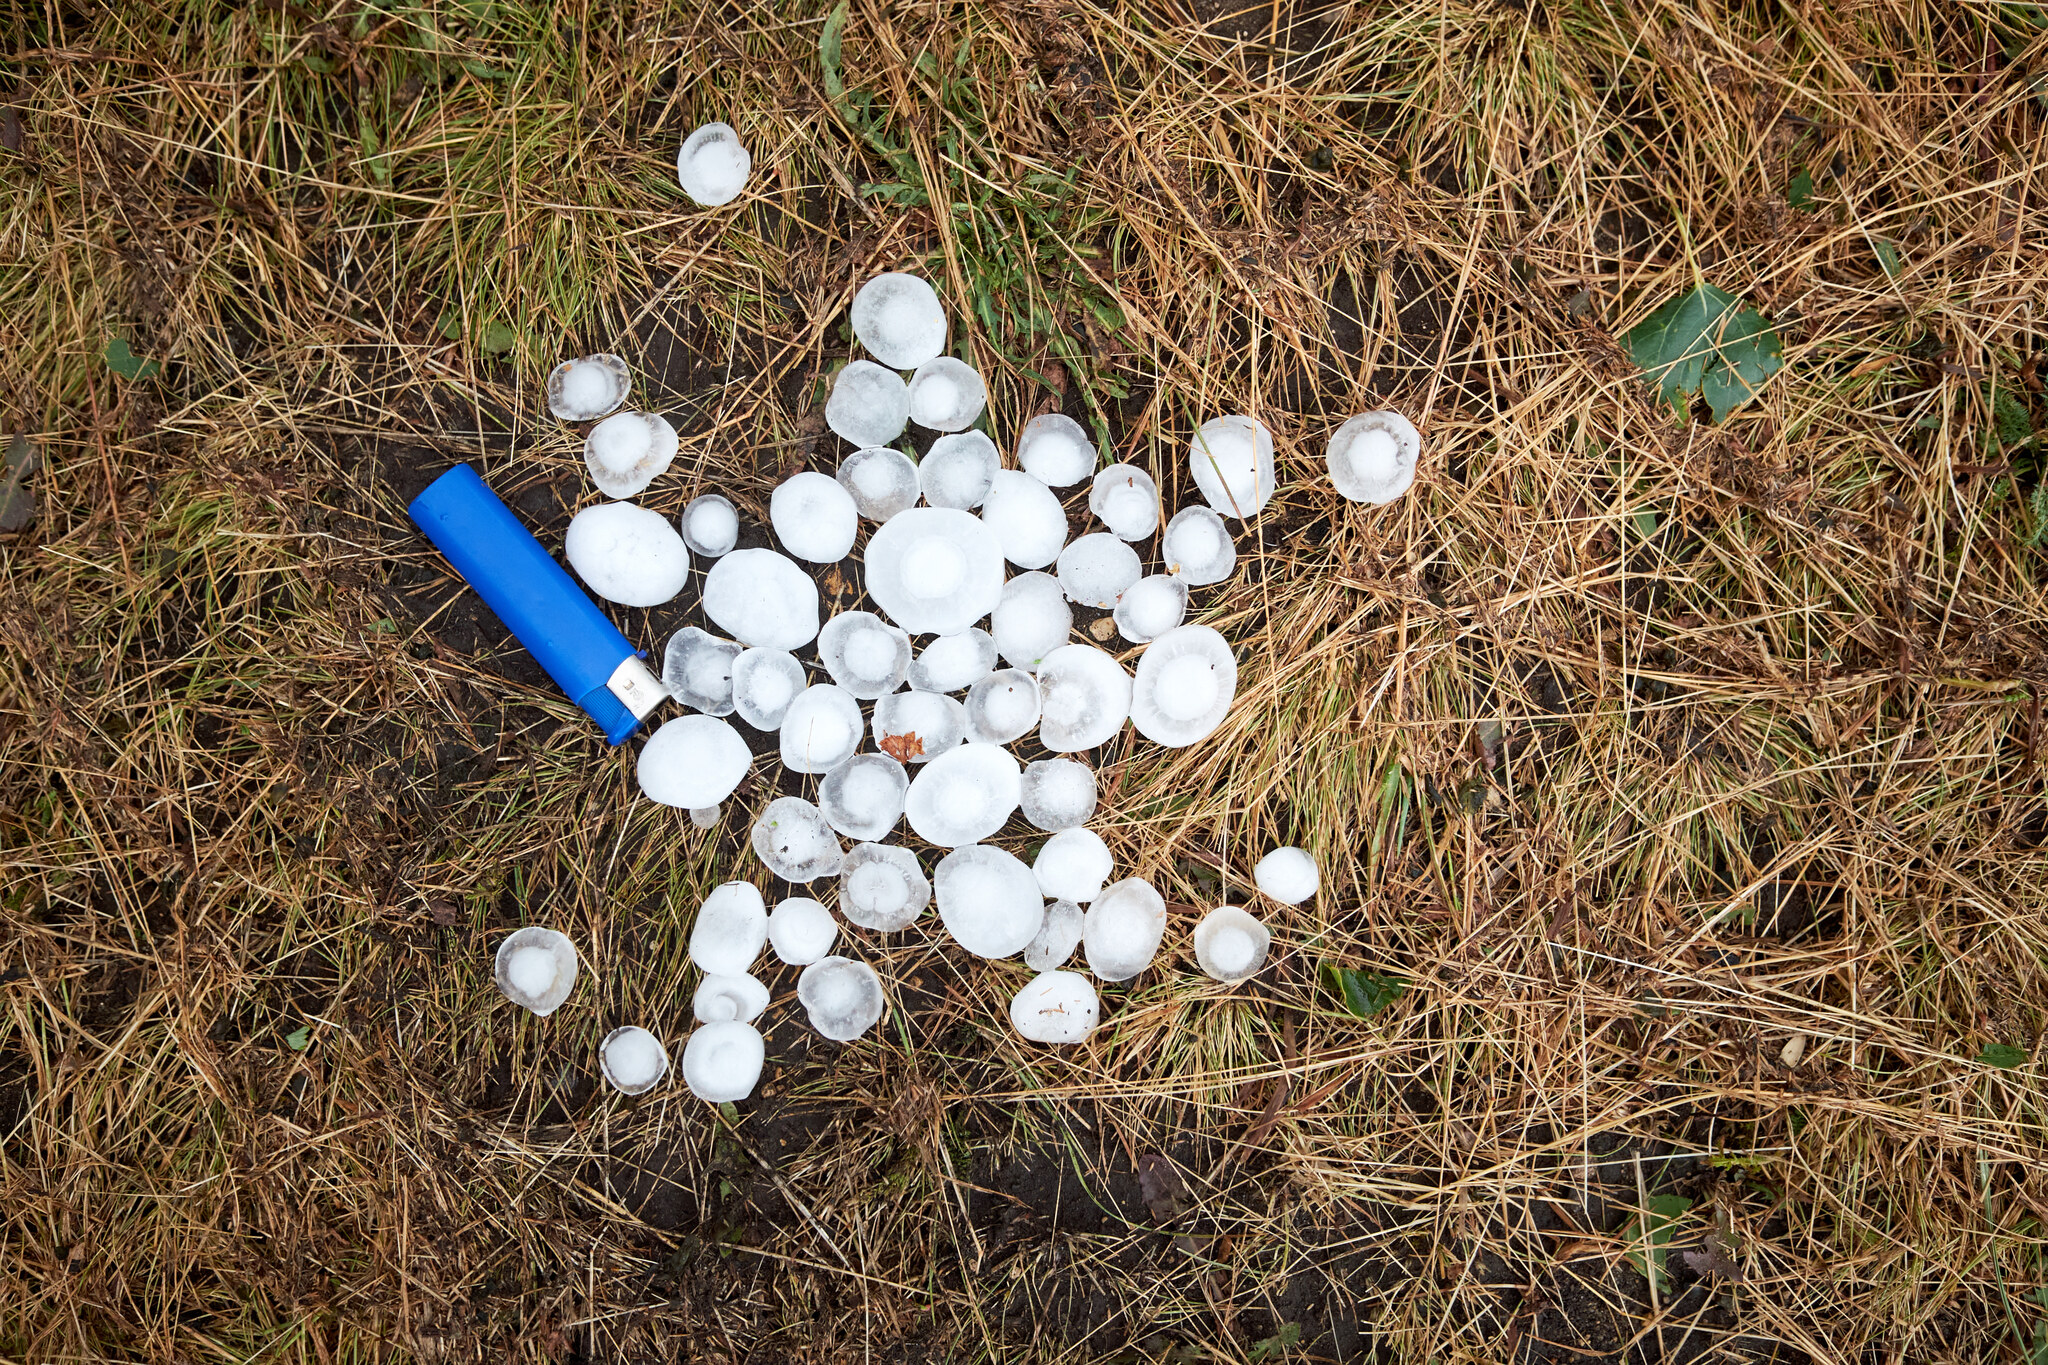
538, 602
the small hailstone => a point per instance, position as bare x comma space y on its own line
1055, 450
713, 165
900, 320
1084, 698
632, 1059
820, 729
795, 843
587, 388
946, 395
1231, 459
1372, 457
1058, 793
696, 668
1027, 518
988, 900
731, 926
881, 481
721, 997
843, 998
863, 797
1055, 1008
1057, 937
760, 598
1230, 945
722, 1062
629, 450
764, 683
1096, 569
711, 525
1125, 499
801, 931
868, 405
1198, 549
963, 795
626, 554
958, 470
937, 722
1073, 865
953, 662
1031, 620
1288, 874
882, 887
692, 762
934, 570
1002, 707
864, 654
1150, 607
705, 817
536, 969
813, 517
1122, 929
1186, 680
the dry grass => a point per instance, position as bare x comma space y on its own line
1690, 776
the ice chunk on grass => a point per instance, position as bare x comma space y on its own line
696, 668
842, 998
1084, 697
813, 517
792, 839
1073, 865
760, 598
722, 1062
692, 762
881, 482
1031, 619
710, 525
946, 395
958, 470
864, 654
963, 795
1055, 450
1198, 549
801, 930
632, 1059
1186, 680
863, 797
1121, 930
954, 662
587, 388
916, 727
989, 901
764, 683
1288, 874
869, 405
1002, 706
1056, 1008
1150, 607
1057, 937
627, 451
1058, 793
731, 926
820, 729
536, 969
739, 996
1231, 459
1097, 569
1231, 945
882, 887
1372, 457
900, 320
1125, 499
934, 570
713, 165
1027, 519
627, 554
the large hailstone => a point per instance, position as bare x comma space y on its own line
1231, 459
801, 931
1056, 938
1031, 619
868, 405
953, 663
916, 727
587, 388
1072, 866
1027, 519
934, 570
626, 554
1057, 794
1002, 707
536, 969
696, 668
795, 843
1124, 498
964, 795
820, 729
740, 997
881, 481
731, 926
1097, 569
864, 654
813, 517
958, 470
1230, 945
900, 320
632, 1059
710, 525
1186, 680
842, 998
1056, 1008
760, 598
764, 683
882, 887
863, 797
988, 900
1150, 607
1055, 450
713, 165
946, 395
629, 450
722, 1062
1288, 874
1084, 697
1372, 456
1121, 930
1198, 549
692, 762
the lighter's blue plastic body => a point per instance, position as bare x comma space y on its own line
532, 594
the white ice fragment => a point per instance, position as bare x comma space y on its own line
953, 662
1198, 549
1122, 929
713, 165
801, 931
1002, 707
1186, 680
1372, 456
934, 570
632, 1059
868, 405
1057, 937
919, 726
720, 997
989, 901
1150, 607
864, 654
1073, 865
881, 481
946, 395
1027, 519
1085, 697
761, 598
587, 388
882, 887
705, 817
696, 668
1231, 945
813, 517
1058, 793
900, 320
1056, 1008
626, 554
536, 968
1055, 450
731, 926
1096, 569
1125, 499
795, 843
692, 762
863, 797
710, 524
1231, 459
820, 729
963, 795
764, 683
627, 451
958, 470
842, 998
1288, 874
1031, 620
721, 1062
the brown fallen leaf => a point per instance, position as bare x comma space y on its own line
1714, 1258
444, 912
904, 747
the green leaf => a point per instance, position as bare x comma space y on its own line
828, 51
1364, 993
1650, 1244
1646, 523
379, 166
2011, 423
485, 73
124, 362
2002, 1055
497, 338
299, 1039
1887, 256
1799, 194
1708, 342
449, 324
731, 1112
909, 196
1277, 1345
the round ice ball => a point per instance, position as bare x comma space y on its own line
868, 405
1096, 569
1372, 457
1026, 517
1031, 619
916, 727
989, 901
1073, 865
692, 762
1124, 498
959, 470
713, 165
946, 395
881, 481
738, 996
1055, 450
696, 668
813, 517
1198, 549
1002, 707
536, 969
1057, 937
1231, 945
627, 554
722, 1062
900, 320
1186, 681
764, 684
587, 388
710, 525
1084, 698
1121, 930
882, 887
1150, 607
934, 570
731, 926
863, 797
964, 795
793, 841
820, 729
952, 663
864, 654
843, 998
760, 598
632, 1059
629, 450
1231, 459
1056, 1008
1288, 874
801, 931
1058, 793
